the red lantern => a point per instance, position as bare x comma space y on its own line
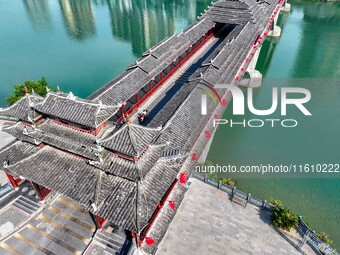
149, 241
183, 178
194, 156
265, 34
224, 101
207, 134
237, 78
243, 69
172, 204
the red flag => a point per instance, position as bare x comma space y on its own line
194, 156
149, 241
172, 204
224, 101
243, 69
183, 178
237, 78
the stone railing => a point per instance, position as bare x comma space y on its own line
309, 235
234, 192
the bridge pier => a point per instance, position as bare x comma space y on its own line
252, 78
286, 7
275, 30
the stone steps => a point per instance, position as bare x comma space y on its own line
112, 242
26, 205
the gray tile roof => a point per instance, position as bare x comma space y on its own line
132, 170
126, 203
17, 151
22, 109
66, 138
20, 131
68, 175
150, 64
134, 212
73, 109
130, 140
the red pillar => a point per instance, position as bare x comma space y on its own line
36, 189
122, 110
12, 181
150, 87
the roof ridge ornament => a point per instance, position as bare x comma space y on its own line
71, 96
5, 164
99, 144
25, 131
26, 92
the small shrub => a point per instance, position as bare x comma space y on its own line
284, 218
325, 238
275, 202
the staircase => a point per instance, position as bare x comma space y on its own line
112, 242
26, 205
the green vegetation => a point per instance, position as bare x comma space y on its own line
284, 218
39, 88
325, 238
274, 202
214, 175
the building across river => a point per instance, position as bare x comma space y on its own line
126, 174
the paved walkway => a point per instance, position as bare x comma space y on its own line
207, 223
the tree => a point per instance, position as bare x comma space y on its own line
39, 88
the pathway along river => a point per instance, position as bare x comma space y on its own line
81, 44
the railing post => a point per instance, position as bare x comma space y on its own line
234, 190
205, 177
248, 197
219, 184
264, 204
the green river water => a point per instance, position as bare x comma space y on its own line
81, 44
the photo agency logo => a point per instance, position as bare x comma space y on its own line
295, 96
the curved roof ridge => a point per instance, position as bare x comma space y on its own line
29, 157
115, 132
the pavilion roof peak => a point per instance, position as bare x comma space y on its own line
130, 139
